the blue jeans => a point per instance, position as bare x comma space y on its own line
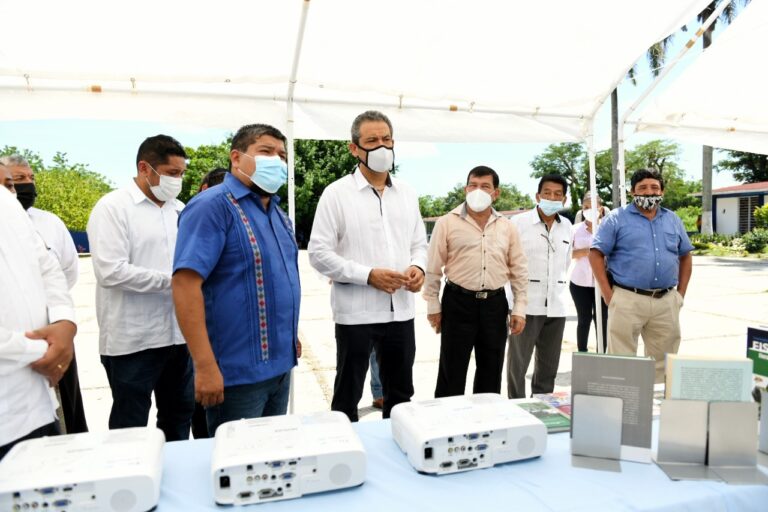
267, 398
376, 390
133, 377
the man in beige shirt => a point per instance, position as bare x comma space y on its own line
479, 251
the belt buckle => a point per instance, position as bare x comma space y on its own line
658, 293
481, 295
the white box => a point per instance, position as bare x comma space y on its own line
459, 433
115, 471
282, 457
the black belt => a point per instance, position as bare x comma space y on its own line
482, 294
656, 294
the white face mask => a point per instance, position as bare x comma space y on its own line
168, 189
479, 200
381, 159
589, 215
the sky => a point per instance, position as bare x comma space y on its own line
109, 147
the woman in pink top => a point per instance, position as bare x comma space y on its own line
582, 282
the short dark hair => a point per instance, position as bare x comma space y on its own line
643, 174
157, 149
213, 178
368, 116
482, 170
553, 178
250, 133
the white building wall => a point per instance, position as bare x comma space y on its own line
727, 215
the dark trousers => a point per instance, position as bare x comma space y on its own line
51, 429
546, 335
395, 345
266, 398
72, 400
166, 371
584, 300
469, 323
199, 423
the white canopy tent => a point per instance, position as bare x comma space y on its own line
486, 70
720, 100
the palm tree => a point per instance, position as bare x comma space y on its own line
655, 55
706, 156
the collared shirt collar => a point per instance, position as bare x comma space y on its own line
138, 196
239, 190
234, 185
361, 182
537, 218
461, 211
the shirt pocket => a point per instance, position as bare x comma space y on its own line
672, 242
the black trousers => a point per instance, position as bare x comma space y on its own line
584, 299
395, 346
468, 323
72, 400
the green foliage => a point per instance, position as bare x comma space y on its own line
761, 216
745, 167
202, 160
567, 160
317, 164
570, 160
689, 215
70, 190
756, 240
510, 198
714, 238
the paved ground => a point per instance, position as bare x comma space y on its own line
724, 298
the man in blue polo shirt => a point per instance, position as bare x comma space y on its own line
648, 254
236, 284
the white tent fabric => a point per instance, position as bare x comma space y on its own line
486, 70
720, 99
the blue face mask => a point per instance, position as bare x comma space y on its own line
271, 173
549, 208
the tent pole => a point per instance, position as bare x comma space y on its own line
590, 140
665, 71
289, 123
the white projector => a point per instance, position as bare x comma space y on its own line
116, 471
459, 433
282, 457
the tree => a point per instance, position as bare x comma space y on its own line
570, 161
567, 160
202, 160
510, 198
706, 157
70, 190
662, 155
317, 164
745, 167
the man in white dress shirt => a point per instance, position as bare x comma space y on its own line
37, 328
132, 233
546, 238
369, 239
58, 241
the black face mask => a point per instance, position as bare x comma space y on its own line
26, 194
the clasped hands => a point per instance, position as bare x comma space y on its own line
390, 281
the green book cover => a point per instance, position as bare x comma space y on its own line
553, 419
757, 351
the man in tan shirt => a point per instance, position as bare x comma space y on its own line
479, 251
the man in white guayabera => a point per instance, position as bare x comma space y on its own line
369, 239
